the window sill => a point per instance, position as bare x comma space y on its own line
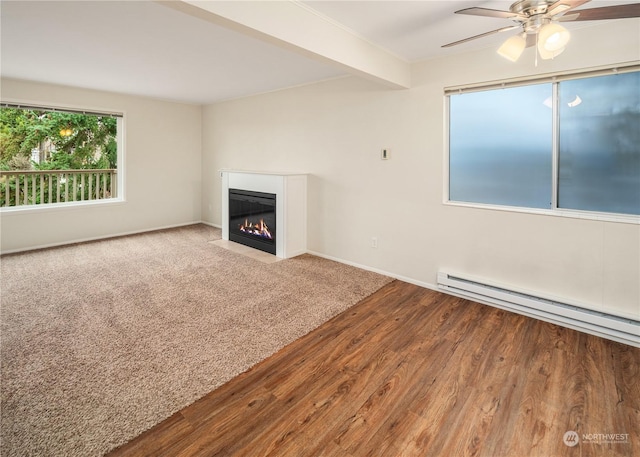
573, 214
30, 209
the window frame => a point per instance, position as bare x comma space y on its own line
120, 173
553, 78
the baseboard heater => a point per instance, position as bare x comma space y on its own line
616, 328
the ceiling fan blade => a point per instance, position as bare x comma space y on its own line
487, 12
609, 12
503, 29
566, 17
564, 5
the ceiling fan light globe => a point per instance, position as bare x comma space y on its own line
512, 48
553, 37
544, 54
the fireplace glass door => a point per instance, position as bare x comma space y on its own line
252, 219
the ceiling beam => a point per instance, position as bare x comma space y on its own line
291, 25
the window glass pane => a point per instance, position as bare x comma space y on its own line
49, 157
500, 144
599, 167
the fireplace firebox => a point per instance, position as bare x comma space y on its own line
252, 219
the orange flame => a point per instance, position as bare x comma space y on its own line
259, 229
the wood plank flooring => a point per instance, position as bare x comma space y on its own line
413, 372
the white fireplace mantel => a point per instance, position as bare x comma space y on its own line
291, 205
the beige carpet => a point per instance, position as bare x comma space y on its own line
103, 340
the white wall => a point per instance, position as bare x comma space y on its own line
163, 170
335, 130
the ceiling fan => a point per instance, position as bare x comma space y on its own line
539, 24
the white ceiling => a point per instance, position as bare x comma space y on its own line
146, 48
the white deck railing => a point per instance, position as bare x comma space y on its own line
37, 187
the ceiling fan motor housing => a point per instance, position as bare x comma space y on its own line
531, 8
531, 14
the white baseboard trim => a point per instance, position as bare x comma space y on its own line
377, 270
211, 224
97, 238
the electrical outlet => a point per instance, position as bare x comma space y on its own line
385, 154
374, 242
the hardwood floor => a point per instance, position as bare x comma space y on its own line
413, 372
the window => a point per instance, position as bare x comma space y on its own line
572, 144
499, 147
52, 156
599, 166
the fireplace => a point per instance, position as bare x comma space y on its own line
288, 228
252, 219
